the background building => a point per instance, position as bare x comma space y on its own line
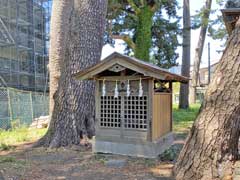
24, 39
203, 74
201, 84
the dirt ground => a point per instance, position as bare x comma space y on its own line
78, 163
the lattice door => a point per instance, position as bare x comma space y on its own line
110, 115
135, 112
133, 109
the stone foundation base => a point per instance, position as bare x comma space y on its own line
137, 149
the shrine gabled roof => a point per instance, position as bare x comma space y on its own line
230, 17
143, 67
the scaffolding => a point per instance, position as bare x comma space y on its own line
24, 42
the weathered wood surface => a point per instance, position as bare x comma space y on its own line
129, 110
40, 122
161, 122
134, 64
110, 84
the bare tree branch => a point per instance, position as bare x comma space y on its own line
126, 39
154, 7
134, 6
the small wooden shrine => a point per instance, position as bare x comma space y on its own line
230, 17
133, 106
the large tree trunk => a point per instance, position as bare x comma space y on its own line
73, 114
184, 89
144, 33
199, 50
212, 145
59, 29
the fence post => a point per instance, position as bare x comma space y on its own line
31, 103
9, 105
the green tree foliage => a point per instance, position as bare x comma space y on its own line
148, 27
217, 28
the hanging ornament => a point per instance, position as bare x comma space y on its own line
116, 93
140, 88
128, 89
104, 89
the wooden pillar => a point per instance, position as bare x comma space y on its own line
97, 105
171, 104
122, 117
149, 110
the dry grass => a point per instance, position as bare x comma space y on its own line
14, 137
47, 164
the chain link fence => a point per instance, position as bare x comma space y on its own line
21, 106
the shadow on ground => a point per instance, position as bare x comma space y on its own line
78, 163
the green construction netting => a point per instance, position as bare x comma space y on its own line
4, 109
21, 106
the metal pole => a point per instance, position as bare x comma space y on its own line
209, 65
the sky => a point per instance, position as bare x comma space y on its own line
214, 44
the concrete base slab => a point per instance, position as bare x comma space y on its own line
116, 163
137, 149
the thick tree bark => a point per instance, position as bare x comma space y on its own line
199, 50
59, 29
144, 33
212, 145
73, 114
184, 89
